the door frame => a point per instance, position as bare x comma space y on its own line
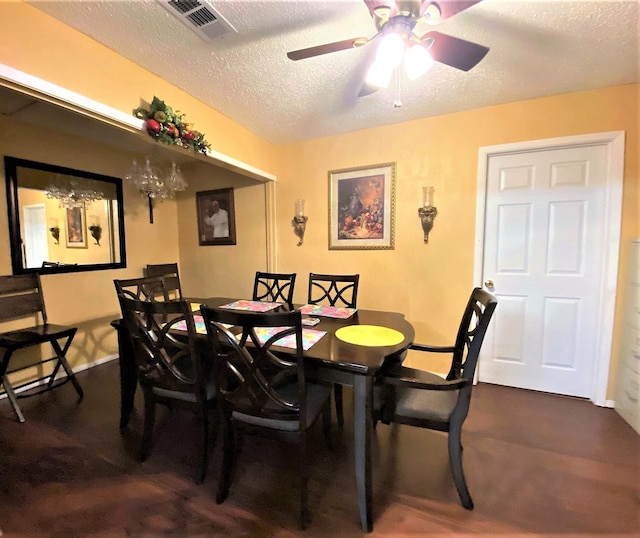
614, 140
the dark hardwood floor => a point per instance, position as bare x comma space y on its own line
536, 464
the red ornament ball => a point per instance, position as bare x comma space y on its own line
153, 127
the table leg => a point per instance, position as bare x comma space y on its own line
362, 427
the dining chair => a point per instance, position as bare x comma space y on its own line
143, 288
22, 301
336, 290
171, 277
171, 369
260, 392
421, 398
274, 287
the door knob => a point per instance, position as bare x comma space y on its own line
489, 283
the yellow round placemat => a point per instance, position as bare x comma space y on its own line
369, 335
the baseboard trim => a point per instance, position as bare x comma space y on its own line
63, 374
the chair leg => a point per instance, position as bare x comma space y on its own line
337, 394
455, 462
326, 425
204, 447
147, 431
12, 398
62, 360
228, 448
305, 517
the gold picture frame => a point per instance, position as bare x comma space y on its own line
362, 204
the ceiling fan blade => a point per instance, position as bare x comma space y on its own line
327, 48
456, 52
367, 89
448, 8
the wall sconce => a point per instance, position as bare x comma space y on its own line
427, 212
55, 230
95, 229
300, 221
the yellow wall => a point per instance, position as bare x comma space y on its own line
41, 46
429, 283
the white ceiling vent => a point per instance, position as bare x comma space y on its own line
200, 16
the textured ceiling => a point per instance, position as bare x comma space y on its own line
537, 48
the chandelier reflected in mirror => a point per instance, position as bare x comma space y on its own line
72, 193
154, 183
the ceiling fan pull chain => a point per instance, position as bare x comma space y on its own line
397, 103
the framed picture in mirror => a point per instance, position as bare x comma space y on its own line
76, 227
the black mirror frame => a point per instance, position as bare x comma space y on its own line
10, 165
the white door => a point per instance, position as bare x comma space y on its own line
36, 247
545, 250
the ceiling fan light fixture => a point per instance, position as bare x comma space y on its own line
390, 50
379, 74
417, 61
382, 12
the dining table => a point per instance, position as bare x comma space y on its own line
352, 351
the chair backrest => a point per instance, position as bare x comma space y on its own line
274, 287
248, 373
21, 296
171, 276
337, 290
143, 288
471, 333
164, 339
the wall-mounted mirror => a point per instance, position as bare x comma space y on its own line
63, 220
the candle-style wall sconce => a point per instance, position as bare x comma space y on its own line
55, 230
300, 221
427, 212
95, 229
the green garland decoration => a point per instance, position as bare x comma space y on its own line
169, 127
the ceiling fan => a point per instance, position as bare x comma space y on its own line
395, 22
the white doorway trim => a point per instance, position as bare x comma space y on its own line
614, 140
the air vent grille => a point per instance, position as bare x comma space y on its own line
200, 16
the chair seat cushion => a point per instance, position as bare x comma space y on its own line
185, 393
436, 405
317, 396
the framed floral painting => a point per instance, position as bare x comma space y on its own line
362, 207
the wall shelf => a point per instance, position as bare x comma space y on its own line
35, 100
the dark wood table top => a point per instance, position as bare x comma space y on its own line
335, 353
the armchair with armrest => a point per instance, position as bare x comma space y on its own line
420, 398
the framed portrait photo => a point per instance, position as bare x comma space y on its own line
216, 217
76, 227
362, 207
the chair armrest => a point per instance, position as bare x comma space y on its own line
432, 349
418, 379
